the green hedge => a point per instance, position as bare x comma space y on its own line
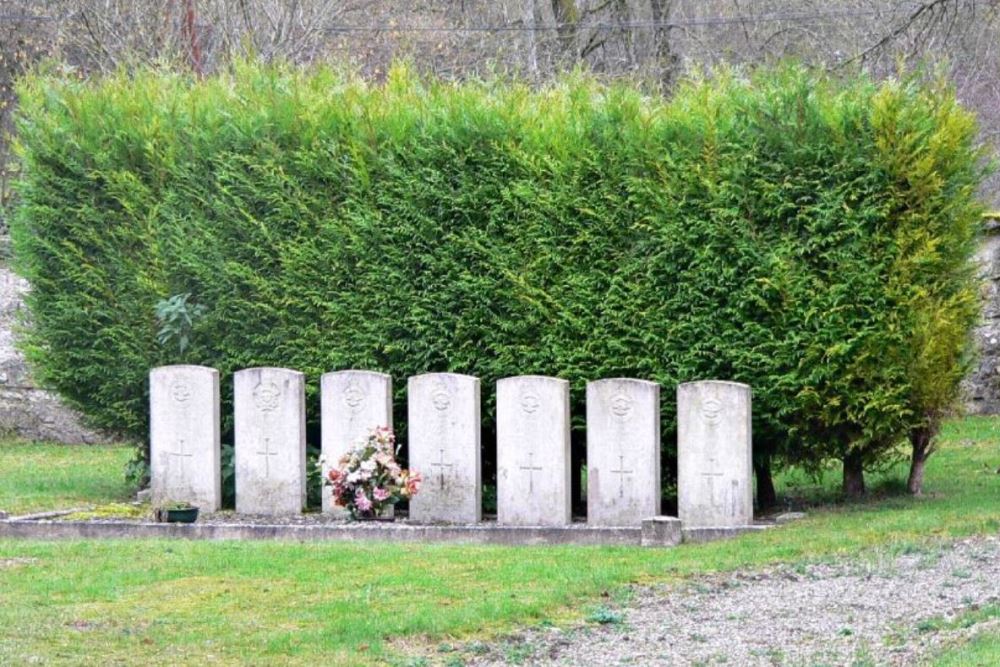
788, 231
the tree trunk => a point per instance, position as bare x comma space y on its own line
528, 19
766, 495
567, 17
854, 474
666, 59
920, 440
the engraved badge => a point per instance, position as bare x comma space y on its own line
181, 391
266, 396
621, 405
711, 410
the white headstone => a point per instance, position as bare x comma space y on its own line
623, 452
443, 441
270, 435
714, 468
533, 451
184, 443
352, 404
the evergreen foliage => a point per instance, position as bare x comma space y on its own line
808, 236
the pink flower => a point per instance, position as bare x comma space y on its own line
413, 484
361, 501
380, 494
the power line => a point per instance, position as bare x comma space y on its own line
712, 21
623, 25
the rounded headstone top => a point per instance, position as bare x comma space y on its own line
723, 383
357, 371
542, 378
648, 383
270, 369
183, 367
432, 376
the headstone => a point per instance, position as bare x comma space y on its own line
714, 467
184, 447
352, 404
623, 452
270, 435
443, 441
533, 451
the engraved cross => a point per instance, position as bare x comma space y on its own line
181, 455
710, 478
621, 472
441, 465
267, 453
531, 472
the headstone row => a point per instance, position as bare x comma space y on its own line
533, 444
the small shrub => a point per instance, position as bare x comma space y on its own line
605, 616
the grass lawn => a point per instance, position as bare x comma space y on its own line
982, 651
175, 602
35, 477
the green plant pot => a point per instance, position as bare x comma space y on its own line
189, 515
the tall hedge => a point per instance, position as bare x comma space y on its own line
780, 230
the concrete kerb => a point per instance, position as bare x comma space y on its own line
347, 532
655, 532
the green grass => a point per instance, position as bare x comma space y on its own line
177, 602
982, 651
35, 477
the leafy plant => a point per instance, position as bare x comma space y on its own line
137, 473
177, 317
605, 616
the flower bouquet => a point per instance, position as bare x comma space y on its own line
367, 479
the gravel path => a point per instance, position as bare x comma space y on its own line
883, 610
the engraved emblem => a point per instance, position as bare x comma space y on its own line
711, 410
621, 405
441, 398
354, 396
529, 402
266, 396
181, 391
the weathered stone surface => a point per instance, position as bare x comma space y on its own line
184, 445
26, 410
623, 452
352, 403
270, 441
444, 428
533, 451
714, 470
981, 387
661, 531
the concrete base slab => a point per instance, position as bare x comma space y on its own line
347, 532
661, 531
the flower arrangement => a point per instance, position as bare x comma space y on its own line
368, 479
